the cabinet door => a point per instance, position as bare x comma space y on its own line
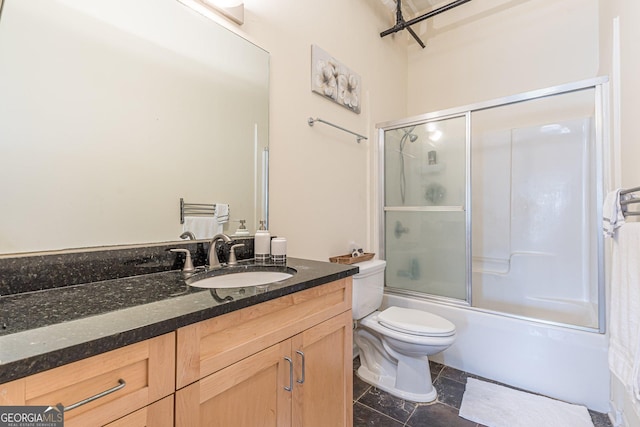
323, 394
249, 393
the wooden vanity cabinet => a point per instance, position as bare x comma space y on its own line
158, 414
284, 362
139, 375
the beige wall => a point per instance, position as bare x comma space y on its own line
321, 191
488, 49
320, 186
621, 60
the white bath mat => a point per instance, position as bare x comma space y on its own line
497, 406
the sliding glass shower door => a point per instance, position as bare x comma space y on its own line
535, 202
425, 199
498, 205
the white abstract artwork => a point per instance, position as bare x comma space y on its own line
334, 81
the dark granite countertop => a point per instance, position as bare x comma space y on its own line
52, 327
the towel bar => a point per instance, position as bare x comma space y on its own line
311, 121
627, 198
196, 209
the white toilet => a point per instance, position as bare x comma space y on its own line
394, 343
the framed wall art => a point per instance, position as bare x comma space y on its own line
335, 81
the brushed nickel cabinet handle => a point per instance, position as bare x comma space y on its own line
121, 385
290, 387
301, 353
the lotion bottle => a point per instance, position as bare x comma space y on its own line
262, 244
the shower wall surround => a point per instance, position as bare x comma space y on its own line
528, 237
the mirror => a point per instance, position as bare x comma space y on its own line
113, 110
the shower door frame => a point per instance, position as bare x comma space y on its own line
602, 150
419, 120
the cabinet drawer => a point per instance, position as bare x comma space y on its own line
158, 414
208, 346
137, 375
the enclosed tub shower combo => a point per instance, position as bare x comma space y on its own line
490, 217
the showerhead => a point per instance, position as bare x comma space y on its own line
408, 133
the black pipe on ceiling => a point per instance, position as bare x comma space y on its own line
401, 24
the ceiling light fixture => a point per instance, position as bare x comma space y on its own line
230, 9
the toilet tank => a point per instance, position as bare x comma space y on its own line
368, 288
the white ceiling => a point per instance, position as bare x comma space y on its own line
422, 5
413, 8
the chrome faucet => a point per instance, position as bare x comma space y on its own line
213, 260
189, 235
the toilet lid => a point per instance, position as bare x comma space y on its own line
415, 322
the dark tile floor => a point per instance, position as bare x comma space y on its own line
373, 407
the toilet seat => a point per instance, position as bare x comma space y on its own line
415, 322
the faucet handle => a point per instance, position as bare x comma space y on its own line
232, 254
188, 264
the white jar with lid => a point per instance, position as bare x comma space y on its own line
279, 250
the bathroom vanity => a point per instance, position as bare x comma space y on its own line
120, 327
280, 357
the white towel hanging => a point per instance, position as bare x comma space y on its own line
203, 227
624, 323
222, 212
612, 213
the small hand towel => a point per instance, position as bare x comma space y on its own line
612, 216
624, 322
203, 227
222, 212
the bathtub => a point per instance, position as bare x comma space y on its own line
537, 286
563, 363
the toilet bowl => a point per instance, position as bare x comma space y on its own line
394, 344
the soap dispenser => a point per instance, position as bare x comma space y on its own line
262, 243
242, 229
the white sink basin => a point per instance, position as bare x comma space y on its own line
241, 280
